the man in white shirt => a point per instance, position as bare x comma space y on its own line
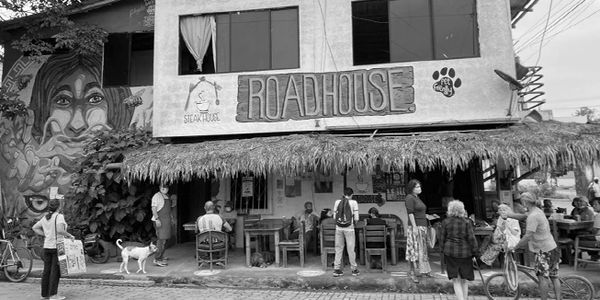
345, 233
594, 189
210, 220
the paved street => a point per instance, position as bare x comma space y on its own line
30, 291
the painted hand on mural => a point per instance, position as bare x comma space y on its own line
142, 115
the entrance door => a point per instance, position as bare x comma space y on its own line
191, 197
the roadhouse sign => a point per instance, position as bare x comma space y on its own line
302, 96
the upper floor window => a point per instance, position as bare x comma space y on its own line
239, 41
413, 30
128, 59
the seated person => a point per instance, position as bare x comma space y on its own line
548, 208
211, 220
581, 208
506, 229
310, 221
326, 213
595, 230
375, 219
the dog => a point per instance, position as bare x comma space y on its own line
139, 253
261, 259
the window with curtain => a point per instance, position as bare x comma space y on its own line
413, 30
240, 41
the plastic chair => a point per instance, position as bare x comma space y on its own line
294, 245
211, 248
375, 243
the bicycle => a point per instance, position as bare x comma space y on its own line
15, 261
571, 286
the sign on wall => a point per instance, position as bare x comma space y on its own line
303, 96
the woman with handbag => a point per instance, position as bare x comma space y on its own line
51, 226
506, 235
460, 246
416, 234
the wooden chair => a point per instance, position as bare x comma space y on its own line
294, 245
585, 245
250, 221
327, 240
211, 248
375, 243
565, 244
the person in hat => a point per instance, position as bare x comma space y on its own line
51, 227
538, 238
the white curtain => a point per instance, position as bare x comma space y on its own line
197, 32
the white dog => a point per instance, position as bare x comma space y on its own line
140, 253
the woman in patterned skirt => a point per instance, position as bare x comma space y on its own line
416, 234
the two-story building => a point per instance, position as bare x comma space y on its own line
268, 104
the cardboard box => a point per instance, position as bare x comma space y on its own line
71, 257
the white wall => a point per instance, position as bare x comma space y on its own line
326, 46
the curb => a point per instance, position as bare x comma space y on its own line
107, 282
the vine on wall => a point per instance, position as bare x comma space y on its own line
101, 200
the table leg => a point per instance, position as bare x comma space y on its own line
247, 249
394, 249
360, 246
276, 248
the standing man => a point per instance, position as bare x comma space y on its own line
594, 189
161, 216
345, 214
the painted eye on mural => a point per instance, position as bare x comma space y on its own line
95, 98
63, 100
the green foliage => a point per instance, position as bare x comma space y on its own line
101, 200
591, 114
49, 28
10, 106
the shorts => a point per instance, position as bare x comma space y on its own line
546, 263
456, 266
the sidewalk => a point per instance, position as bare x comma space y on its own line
182, 270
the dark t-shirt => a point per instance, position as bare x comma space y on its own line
415, 206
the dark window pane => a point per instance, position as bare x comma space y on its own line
455, 30
115, 70
250, 45
284, 39
142, 58
410, 30
370, 32
223, 47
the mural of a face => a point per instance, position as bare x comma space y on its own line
78, 105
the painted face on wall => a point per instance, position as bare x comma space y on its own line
78, 105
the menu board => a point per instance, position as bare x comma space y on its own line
391, 184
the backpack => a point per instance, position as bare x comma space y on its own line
343, 214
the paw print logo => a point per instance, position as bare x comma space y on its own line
446, 82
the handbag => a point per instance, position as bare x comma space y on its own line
431, 236
71, 258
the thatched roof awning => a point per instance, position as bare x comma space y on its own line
536, 144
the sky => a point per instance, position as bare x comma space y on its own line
570, 55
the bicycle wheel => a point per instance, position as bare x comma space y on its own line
496, 287
18, 264
576, 287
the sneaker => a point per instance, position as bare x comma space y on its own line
338, 273
159, 263
57, 297
355, 272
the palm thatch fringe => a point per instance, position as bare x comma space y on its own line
544, 144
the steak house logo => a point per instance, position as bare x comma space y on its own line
375, 92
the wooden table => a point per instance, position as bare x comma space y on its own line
391, 228
572, 225
266, 227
